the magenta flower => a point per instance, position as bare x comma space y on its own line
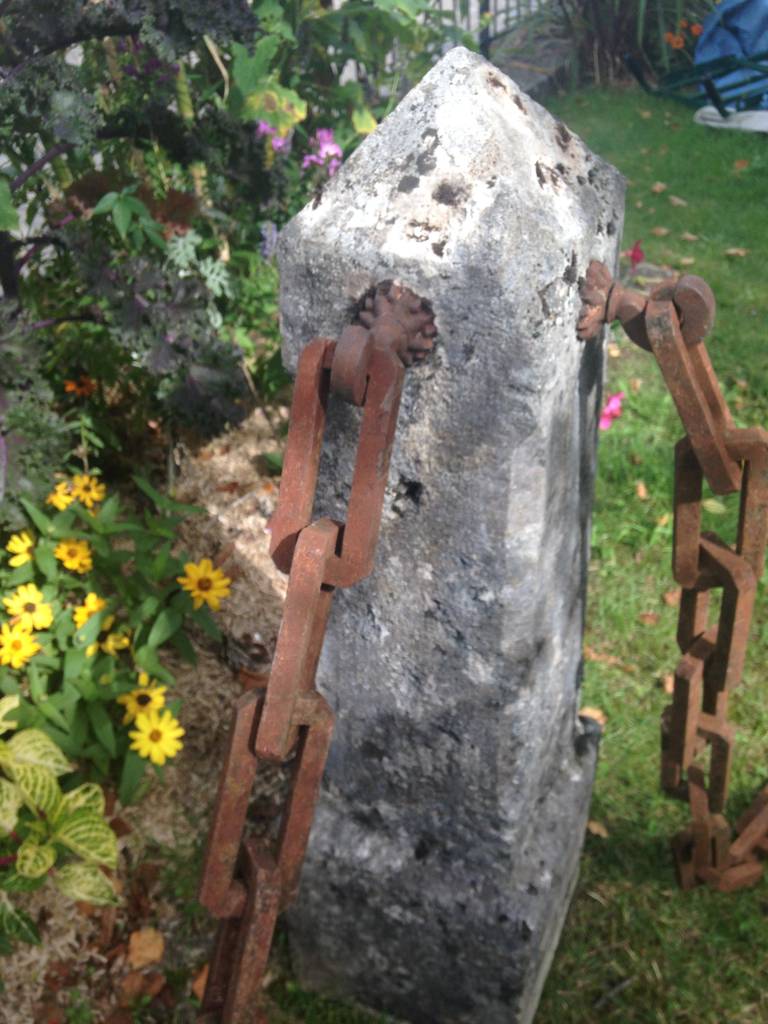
327, 152
611, 410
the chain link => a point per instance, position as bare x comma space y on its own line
246, 882
672, 324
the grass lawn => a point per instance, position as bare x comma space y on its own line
635, 949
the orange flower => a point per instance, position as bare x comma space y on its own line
696, 30
81, 388
683, 23
677, 43
669, 37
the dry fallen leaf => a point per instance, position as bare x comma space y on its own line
201, 980
677, 201
635, 384
645, 114
614, 350
145, 946
740, 165
641, 490
590, 654
671, 597
597, 828
736, 251
596, 713
658, 187
688, 237
660, 232
663, 520
136, 984
686, 261
648, 618
639, 204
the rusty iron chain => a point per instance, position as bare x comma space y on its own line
672, 323
247, 882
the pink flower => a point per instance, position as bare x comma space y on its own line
327, 152
611, 410
635, 254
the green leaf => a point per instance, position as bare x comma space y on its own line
85, 882
86, 635
183, 645
274, 462
363, 121
146, 658
102, 726
46, 560
41, 521
38, 683
131, 776
7, 706
89, 836
33, 747
51, 711
204, 619
10, 802
16, 923
38, 787
121, 215
162, 501
9, 218
248, 72
89, 795
33, 861
165, 625
105, 204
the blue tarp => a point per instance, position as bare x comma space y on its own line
736, 28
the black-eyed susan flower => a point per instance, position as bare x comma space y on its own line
114, 642
17, 645
88, 489
91, 606
61, 496
157, 736
204, 583
75, 554
21, 546
141, 700
28, 608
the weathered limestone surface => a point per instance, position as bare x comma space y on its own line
447, 838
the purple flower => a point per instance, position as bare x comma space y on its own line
328, 153
611, 410
264, 128
281, 143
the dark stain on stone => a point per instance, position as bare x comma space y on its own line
438, 248
562, 170
425, 163
581, 179
544, 174
423, 847
496, 82
610, 228
448, 194
541, 175
562, 135
570, 276
408, 183
490, 182
519, 103
592, 175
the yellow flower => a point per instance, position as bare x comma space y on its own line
90, 607
75, 554
204, 583
88, 489
156, 736
28, 609
142, 700
61, 496
20, 545
115, 642
17, 645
